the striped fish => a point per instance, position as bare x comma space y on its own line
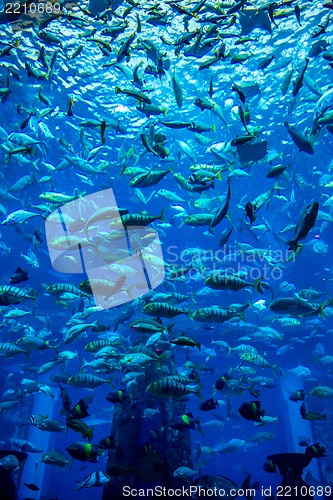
170, 387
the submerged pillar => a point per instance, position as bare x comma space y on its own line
10, 479
146, 450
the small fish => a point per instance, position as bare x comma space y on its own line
18, 276
98, 478
184, 473
251, 411
32, 486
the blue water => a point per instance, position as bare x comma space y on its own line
90, 80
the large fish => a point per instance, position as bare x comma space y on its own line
305, 225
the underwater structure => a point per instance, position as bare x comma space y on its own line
146, 455
166, 227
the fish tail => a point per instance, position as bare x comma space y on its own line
242, 317
161, 358
198, 392
53, 346
188, 313
90, 434
200, 429
161, 216
257, 285
169, 328
292, 245
322, 308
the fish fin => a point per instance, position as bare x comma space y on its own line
292, 245
257, 285
198, 392
161, 216
188, 313
90, 434
169, 328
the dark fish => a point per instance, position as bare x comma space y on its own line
117, 396
84, 451
225, 237
303, 441
299, 82
250, 212
270, 466
271, 12
65, 399
298, 14
220, 214
103, 128
297, 307
18, 276
32, 486
211, 90
70, 107
305, 225
222, 381
302, 409
107, 443
208, 405
79, 410
186, 421
251, 411
313, 415
316, 450
266, 62
297, 395
301, 141
276, 171
240, 93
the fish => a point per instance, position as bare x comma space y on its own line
301, 141
32, 486
186, 342
184, 473
98, 478
305, 224
171, 388
250, 212
297, 395
78, 425
251, 411
298, 83
297, 307
85, 452
56, 458
221, 281
220, 214
209, 405
179, 109
87, 380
